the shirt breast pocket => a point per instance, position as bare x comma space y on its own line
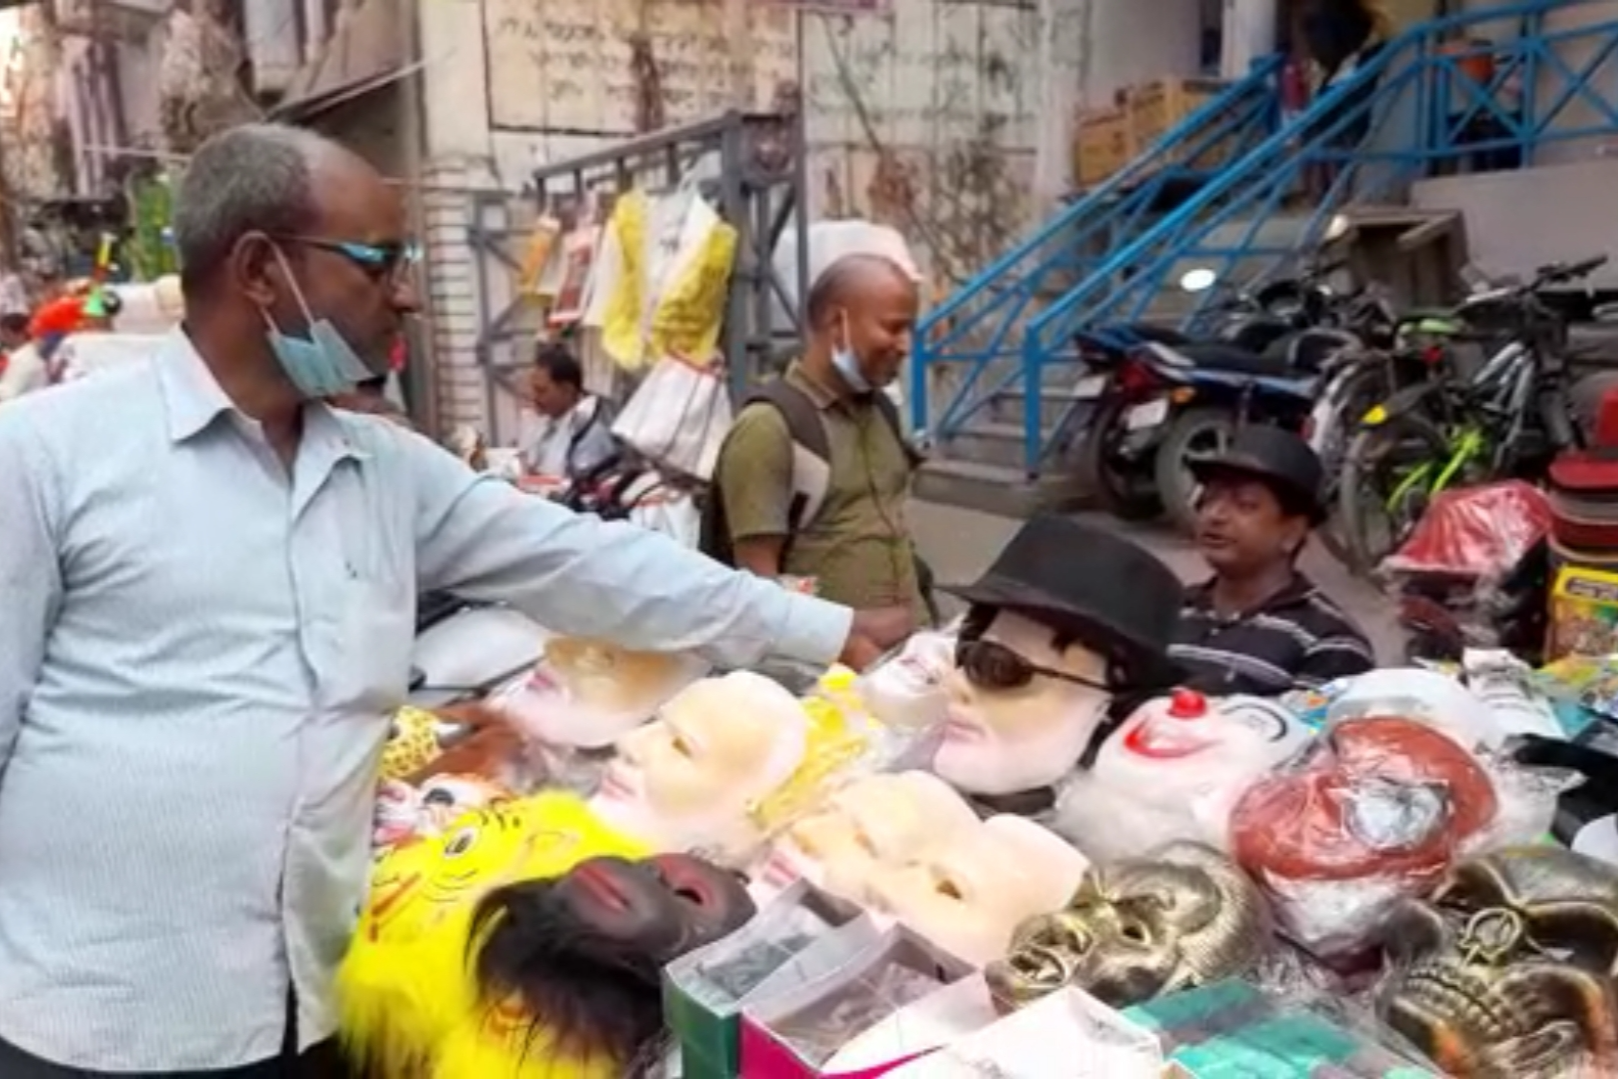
378, 634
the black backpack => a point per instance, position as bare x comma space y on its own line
811, 466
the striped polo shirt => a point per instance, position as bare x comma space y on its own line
1297, 637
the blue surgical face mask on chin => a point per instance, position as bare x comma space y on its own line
321, 364
848, 364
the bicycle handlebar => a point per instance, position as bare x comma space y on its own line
1558, 273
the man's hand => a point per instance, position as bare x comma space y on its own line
874, 633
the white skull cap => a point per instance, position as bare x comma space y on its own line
830, 242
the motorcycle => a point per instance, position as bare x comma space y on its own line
1266, 363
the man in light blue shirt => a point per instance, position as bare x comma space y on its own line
207, 595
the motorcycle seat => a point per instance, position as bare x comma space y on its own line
1216, 356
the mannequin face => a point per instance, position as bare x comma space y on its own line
877, 820
588, 693
908, 690
691, 777
1174, 746
1005, 740
968, 892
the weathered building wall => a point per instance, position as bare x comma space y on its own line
948, 118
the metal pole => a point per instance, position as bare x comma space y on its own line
419, 380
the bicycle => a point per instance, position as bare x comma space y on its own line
1508, 419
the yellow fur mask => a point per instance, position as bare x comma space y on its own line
409, 1004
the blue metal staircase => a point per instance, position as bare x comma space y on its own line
1554, 78
976, 333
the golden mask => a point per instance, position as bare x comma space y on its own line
1138, 928
1510, 969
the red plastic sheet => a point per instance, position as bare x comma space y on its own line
1475, 532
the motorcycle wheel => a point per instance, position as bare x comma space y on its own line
1378, 459
1197, 432
1127, 494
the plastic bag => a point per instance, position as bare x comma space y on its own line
673, 513
690, 309
1375, 810
1480, 533
678, 417
1173, 770
1426, 696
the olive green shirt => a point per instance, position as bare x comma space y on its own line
857, 547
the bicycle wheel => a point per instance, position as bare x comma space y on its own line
1386, 484
1332, 440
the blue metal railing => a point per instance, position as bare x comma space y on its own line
1417, 107
979, 324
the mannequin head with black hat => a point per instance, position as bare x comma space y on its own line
1065, 618
1259, 626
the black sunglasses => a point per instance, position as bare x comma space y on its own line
991, 665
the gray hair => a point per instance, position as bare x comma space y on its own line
253, 178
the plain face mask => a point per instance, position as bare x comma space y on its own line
324, 363
848, 364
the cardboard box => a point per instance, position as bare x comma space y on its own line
1584, 613
1067, 1035
798, 1033
1102, 145
1157, 107
799, 936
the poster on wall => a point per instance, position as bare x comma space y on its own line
570, 65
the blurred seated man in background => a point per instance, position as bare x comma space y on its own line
574, 436
1260, 626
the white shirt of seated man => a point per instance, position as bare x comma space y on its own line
876, 820
1021, 710
1174, 770
691, 779
967, 892
588, 694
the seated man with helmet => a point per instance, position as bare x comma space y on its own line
1259, 626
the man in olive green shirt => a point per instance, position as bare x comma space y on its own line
856, 544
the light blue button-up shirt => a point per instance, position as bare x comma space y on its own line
198, 649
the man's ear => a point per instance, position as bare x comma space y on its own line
256, 271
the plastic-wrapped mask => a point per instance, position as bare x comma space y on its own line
1139, 928
1021, 710
1510, 969
876, 820
1376, 810
969, 891
589, 693
908, 690
1173, 771
692, 778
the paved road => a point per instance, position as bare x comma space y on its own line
960, 543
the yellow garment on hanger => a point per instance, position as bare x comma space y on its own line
622, 271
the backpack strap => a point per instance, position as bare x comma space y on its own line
811, 453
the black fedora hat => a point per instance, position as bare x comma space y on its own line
1279, 459
1096, 583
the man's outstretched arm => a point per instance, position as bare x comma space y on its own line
483, 539
30, 572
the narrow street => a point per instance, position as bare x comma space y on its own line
959, 543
